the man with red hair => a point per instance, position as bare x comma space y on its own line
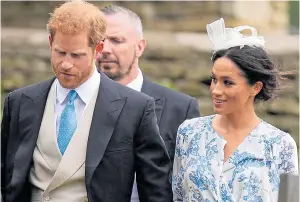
80, 136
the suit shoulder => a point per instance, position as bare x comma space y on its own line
128, 92
33, 88
169, 93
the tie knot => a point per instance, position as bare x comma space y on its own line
72, 96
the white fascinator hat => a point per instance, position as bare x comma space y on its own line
224, 38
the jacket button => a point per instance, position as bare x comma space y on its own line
47, 198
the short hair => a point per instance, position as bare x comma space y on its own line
74, 17
133, 17
256, 66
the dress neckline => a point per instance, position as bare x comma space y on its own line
224, 142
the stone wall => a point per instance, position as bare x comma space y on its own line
177, 60
175, 56
189, 16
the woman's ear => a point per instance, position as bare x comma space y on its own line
257, 88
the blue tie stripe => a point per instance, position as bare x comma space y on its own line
68, 123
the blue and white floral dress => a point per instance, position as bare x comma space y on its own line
251, 173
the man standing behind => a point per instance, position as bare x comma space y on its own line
80, 136
123, 46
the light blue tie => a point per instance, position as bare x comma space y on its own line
68, 123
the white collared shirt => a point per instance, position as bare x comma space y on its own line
137, 83
85, 92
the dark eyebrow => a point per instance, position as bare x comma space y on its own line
227, 77
223, 77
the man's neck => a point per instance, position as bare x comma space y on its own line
130, 77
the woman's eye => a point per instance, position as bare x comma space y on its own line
213, 79
228, 83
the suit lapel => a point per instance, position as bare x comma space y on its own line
159, 105
77, 148
108, 107
31, 112
159, 100
47, 134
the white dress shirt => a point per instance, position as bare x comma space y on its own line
85, 92
136, 84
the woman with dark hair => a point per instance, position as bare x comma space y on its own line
234, 155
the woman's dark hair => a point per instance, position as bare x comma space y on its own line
256, 65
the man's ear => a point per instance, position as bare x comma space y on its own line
140, 47
50, 41
99, 49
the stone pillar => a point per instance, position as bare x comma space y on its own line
269, 17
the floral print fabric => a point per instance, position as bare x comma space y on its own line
251, 173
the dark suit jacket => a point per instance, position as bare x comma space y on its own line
123, 139
171, 109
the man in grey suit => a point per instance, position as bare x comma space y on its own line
80, 136
120, 62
